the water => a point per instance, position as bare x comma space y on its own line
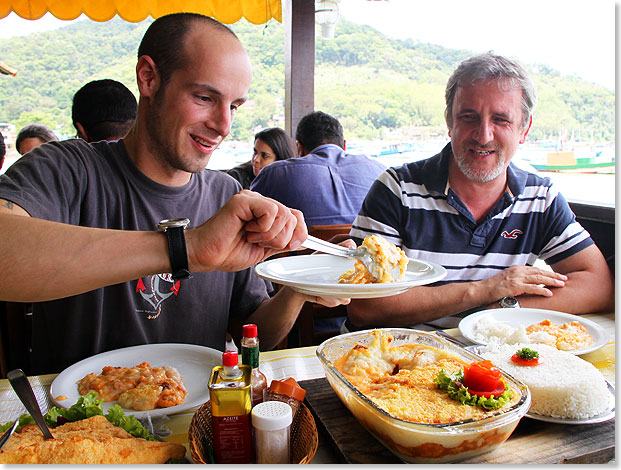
598, 188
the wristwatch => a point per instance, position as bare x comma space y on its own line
176, 246
509, 302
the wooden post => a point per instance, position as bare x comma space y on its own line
299, 22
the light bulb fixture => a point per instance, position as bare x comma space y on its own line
326, 16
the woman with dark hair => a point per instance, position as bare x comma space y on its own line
269, 145
32, 136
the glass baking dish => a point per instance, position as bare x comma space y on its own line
418, 442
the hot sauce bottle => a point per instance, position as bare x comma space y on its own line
229, 393
250, 357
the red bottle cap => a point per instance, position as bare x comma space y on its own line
229, 359
250, 330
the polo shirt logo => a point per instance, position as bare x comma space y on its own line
511, 235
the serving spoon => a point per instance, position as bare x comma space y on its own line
24, 392
360, 253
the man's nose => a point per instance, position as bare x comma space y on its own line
221, 120
484, 132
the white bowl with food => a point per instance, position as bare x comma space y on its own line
432, 427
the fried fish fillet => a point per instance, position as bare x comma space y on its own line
89, 441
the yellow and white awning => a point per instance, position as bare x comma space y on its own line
225, 11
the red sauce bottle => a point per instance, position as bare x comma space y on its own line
250, 357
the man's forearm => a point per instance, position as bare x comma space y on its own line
276, 316
43, 260
417, 305
584, 292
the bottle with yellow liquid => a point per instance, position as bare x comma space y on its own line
231, 403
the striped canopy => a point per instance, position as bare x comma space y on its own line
225, 11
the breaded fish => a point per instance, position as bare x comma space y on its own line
89, 441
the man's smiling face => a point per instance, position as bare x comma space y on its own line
486, 129
193, 112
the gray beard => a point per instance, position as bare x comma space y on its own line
481, 176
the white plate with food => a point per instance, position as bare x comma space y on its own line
194, 363
318, 275
516, 318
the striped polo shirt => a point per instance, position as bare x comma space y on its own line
413, 207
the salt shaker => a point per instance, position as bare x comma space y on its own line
271, 421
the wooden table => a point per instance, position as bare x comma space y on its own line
532, 441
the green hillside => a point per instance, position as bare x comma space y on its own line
373, 84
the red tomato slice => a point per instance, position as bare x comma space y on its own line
524, 362
499, 391
482, 376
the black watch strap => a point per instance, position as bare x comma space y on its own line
176, 247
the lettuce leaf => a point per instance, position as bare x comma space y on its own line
88, 406
453, 384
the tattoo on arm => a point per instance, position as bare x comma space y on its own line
7, 204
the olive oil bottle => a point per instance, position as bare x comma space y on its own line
230, 396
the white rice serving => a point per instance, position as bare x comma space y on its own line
562, 385
487, 328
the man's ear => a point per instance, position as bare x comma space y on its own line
82, 134
523, 138
147, 76
300, 148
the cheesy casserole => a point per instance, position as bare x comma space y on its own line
401, 381
386, 257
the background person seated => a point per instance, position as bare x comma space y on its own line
32, 136
270, 145
325, 183
103, 110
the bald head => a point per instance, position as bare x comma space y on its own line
164, 41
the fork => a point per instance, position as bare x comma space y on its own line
359, 253
20, 384
8, 433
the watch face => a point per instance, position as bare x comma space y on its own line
171, 223
509, 302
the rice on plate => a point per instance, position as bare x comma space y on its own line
562, 385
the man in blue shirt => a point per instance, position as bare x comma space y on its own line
485, 220
326, 184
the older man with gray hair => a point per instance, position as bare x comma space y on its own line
485, 220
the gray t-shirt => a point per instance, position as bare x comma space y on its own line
97, 185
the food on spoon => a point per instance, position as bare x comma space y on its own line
386, 256
562, 385
565, 337
423, 384
140, 388
90, 441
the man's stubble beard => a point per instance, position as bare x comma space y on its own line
479, 175
163, 150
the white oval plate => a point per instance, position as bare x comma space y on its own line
525, 317
318, 275
193, 362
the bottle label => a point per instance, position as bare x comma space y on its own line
232, 436
250, 357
